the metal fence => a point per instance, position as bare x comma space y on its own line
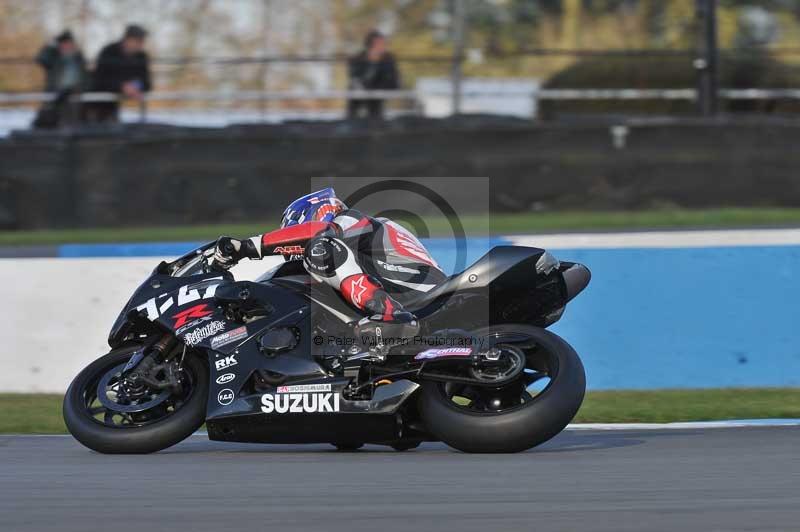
262, 99
215, 109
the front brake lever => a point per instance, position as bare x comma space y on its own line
209, 264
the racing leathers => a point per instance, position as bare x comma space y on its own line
376, 264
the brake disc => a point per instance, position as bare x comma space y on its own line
504, 363
103, 390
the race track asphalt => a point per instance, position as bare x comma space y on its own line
682, 480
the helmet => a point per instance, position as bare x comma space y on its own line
319, 206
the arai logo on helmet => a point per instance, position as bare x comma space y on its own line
225, 378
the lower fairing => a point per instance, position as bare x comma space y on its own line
272, 416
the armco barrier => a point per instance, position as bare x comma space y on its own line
671, 315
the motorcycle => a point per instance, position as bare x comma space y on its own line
276, 360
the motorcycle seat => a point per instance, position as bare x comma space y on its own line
478, 276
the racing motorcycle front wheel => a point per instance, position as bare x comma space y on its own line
520, 403
108, 413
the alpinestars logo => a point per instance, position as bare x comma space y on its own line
201, 333
319, 401
226, 362
357, 289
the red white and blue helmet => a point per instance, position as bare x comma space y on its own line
319, 206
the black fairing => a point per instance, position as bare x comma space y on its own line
502, 287
159, 285
521, 295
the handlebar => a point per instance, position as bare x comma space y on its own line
201, 258
227, 248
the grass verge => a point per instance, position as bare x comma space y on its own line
667, 406
23, 413
41, 414
498, 224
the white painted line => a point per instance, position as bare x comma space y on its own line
661, 239
734, 423
688, 425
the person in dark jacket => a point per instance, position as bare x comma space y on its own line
65, 74
123, 68
373, 69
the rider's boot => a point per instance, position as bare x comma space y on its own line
387, 323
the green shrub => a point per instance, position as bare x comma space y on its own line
753, 70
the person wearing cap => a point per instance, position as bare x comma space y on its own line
123, 68
65, 74
373, 69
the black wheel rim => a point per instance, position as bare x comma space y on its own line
106, 403
540, 369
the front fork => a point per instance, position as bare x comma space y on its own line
149, 363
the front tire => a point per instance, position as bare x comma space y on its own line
134, 439
522, 426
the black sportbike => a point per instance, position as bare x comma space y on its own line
277, 361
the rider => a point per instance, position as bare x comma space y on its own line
374, 263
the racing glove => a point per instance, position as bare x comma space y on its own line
229, 251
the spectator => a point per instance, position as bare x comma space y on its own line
122, 68
372, 69
65, 74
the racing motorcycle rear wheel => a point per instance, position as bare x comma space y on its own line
514, 415
105, 413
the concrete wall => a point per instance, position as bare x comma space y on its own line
664, 310
57, 314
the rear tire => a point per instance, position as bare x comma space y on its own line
520, 428
134, 440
